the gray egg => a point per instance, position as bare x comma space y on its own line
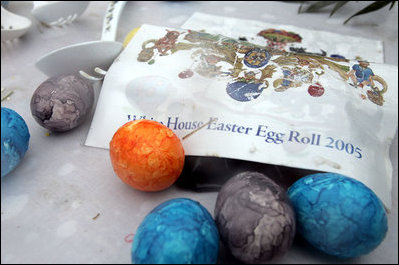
63, 102
255, 218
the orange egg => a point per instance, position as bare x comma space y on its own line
146, 155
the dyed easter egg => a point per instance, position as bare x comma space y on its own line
254, 217
146, 155
14, 140
62, 103
338, 215
178, 231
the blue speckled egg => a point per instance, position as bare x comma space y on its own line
178, 231
14, 140
338, 215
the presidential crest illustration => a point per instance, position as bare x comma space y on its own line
250, 69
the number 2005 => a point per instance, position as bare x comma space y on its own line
341, 146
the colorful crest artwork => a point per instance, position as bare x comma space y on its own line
289, 38
249, 68
256, 58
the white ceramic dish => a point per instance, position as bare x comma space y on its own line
87, 55
56, 13
12, 25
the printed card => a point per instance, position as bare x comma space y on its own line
229, 98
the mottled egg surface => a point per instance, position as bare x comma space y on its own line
63, 102
146, 155
178, 231
14, 140
254, 217
338, 215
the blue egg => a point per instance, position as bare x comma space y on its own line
338, 215
178, 231
14, 140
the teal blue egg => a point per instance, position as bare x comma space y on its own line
338, 215
14, 140
178, 231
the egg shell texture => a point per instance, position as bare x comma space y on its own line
63, 102
146, 155
14, 140
338, 215
178, 231
254, 218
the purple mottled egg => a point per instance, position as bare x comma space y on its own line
255, 218
63, 102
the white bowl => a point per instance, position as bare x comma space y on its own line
12, 25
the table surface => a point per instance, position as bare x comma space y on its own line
64, 203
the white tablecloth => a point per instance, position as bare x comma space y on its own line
64, 203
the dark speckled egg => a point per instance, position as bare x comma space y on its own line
338, 215
178, 231
62, 103
254, 217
